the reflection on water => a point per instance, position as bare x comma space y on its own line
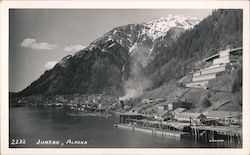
33, 124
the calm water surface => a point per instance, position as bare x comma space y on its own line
32, 124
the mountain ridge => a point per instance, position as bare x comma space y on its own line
124, 60
113, 50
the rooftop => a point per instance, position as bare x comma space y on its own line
223, 114
217, 54
129, 114
136, 109
178, 110
211, 57
162, 113
190, 114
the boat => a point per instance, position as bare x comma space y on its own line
95, 114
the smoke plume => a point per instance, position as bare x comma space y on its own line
137, 82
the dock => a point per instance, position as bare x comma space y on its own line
227, 133
153, 131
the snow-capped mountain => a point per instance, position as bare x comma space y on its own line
154, 31
160, 27
145, 60
119, 55
140, 39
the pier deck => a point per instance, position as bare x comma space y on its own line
153, 131
224, 130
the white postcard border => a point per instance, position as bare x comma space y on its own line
4, 61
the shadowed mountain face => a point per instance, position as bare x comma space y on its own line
136, 57
115, 59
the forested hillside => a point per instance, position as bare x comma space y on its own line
222, 29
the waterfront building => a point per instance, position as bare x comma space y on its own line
224, 118
177, 112
129, 117
164, 115
193, 118
153, 110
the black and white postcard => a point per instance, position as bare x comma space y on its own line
116, 77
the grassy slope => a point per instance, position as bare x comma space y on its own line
220, 94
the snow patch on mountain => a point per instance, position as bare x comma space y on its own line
132, 47
64, 61
111, 45
159, 27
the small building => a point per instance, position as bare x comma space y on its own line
153, 110
150, 101
167, 116
163, 107
99, 106
136, 109
164, 115
177, 112
160, 100
193, 118
147, 101
127, 107
179, 104
168, 105
224, 117
129, 117
200, 84
173, 104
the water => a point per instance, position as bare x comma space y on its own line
32, 124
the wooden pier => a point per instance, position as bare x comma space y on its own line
153, 131
217, 134
220, 135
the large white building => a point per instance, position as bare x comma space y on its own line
217, 64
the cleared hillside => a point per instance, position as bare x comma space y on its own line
223, 93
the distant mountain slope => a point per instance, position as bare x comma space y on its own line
111, 60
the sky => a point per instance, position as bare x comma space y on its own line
39, 38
